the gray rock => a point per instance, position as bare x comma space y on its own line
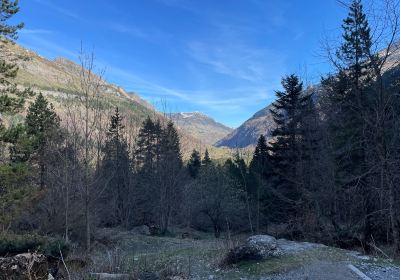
110, 276
258, 247
148, 276
144, 230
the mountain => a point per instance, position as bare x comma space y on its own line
55, 78
201, 126
260, 123
248, 133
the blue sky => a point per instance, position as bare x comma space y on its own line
221, 57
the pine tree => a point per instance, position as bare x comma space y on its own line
260, 161
354, 53
169, 172
349, 95
42, 125
115, 168
288, 113
11, 98
194, 164
206, 160
146, 145
259, 172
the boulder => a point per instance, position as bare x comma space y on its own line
24, 267
144, 230
110, 276
258, 247
147, 276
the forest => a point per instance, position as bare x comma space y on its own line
329, 174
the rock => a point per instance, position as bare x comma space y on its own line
148, 276
24, 267
110, 276
144, 230
258, 247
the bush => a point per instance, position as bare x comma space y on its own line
12, 244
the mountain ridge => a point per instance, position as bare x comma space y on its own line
201, 126
60, 76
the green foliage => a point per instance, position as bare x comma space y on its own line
12, 244
194, 164
260, 162
8, 9
206, 160
289, 111
41, 120
115, 172
14, 192
11, 98
216, 195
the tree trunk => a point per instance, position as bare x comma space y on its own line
393, 220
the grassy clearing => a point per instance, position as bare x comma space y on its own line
200, 258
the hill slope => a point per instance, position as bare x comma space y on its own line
248, 133
55, 78
201, 126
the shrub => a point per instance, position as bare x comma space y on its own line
12, 244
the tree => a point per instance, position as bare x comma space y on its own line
215, 194
349, 126
42, 124
194, 164
288, 114
115, 172
206, 160
11, 98
260, 161
84, 110
146, 144
260, 170
170, 174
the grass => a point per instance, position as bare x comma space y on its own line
131, 252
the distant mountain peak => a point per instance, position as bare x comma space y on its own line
201, 126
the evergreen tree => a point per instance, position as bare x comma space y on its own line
354, 53
169, 173
288, 113
194, 164
146, 144
115, 169
42, 125
349, 95
259, 172
206, 160
11, 98
170, 145
260, 161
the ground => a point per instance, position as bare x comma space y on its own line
200, 259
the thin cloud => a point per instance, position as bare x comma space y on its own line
44, 46
125, 29
148, 34
238, 61
35, 31
248, 96
58, 9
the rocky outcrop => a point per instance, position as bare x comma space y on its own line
24, 267
258, 247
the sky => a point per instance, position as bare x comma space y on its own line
224, 58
